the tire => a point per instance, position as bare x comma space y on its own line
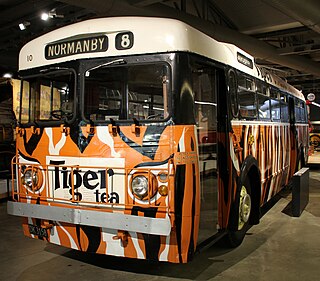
242, 213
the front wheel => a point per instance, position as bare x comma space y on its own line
243, 211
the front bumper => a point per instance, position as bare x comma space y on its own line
118, 221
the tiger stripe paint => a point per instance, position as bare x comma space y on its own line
181, 206
273, 145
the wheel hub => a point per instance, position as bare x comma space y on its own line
244, 207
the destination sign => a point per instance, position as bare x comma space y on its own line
76, 46
244, 60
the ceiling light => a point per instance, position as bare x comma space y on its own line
52, 15
23, 25
7, 75
44, 16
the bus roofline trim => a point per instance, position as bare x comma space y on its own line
156, 226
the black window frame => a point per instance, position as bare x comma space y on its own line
247, 90
128, 61
233, 93
38, 73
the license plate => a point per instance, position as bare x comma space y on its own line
38, 230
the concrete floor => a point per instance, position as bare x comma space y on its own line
281, 247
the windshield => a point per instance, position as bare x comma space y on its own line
126, 92
48, 97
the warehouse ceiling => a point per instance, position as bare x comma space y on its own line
284, 36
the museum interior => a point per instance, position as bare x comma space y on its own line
159, 140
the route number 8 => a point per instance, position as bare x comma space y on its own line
124, 40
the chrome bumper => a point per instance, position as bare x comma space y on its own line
156, 226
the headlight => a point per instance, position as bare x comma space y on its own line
139, 186
32, 178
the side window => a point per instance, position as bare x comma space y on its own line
247, 97
25, 102
48, 97
305, 113
232, 83
300, 113
297, 110
275, 104
284, 107
263, 100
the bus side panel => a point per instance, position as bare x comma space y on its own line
270, 144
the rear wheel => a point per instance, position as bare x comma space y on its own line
235, 237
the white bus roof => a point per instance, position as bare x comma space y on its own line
98, 38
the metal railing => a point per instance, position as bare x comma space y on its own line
45, 191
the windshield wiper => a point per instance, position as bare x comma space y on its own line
118, 61
53, 68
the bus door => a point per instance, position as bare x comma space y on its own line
205, 85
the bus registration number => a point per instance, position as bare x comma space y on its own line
38, 230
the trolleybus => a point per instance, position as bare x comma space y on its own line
144, 138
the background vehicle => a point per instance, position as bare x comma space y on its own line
314, 138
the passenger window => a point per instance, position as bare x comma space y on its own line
275, 104
284, 108
275, 109
300, 113
263, 106
247, 97
263, 100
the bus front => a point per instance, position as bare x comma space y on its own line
99, 161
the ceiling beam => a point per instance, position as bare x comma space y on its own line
143, 3
300, 49
306, 11
281, 33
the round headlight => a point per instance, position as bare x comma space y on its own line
31, 179
139, 186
